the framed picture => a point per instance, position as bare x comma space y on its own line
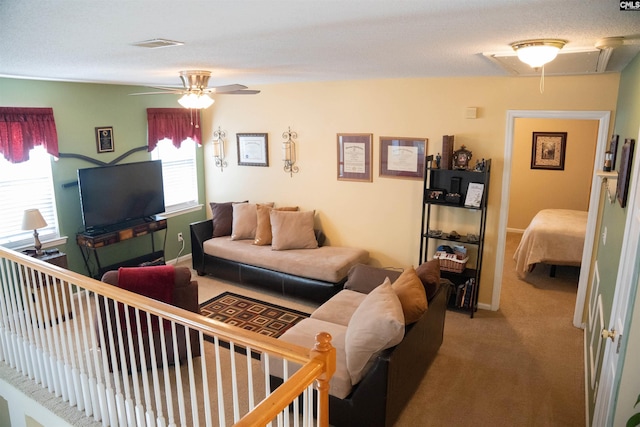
474, 195
355, 156
104, 139
548, 150
626, 157
402, 157
252, 149
613, 148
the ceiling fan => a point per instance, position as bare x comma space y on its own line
195, 93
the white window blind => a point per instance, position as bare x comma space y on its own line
26, 185
179, 173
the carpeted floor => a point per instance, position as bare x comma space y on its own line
520, 366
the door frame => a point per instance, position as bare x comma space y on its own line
603, 118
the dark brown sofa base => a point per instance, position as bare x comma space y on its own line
284, 284
380, 397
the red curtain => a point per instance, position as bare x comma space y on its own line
176, 124
21, 129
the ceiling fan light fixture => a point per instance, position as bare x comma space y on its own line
536, 53
195, 101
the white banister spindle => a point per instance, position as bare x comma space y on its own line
106, 352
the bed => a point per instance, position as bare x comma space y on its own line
555, 237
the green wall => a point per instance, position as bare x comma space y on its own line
78, 109
628, 126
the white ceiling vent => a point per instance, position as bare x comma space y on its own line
584, 61
157, 43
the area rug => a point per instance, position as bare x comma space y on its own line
251, 314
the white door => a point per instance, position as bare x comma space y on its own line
628, 274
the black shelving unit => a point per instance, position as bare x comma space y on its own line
450, 182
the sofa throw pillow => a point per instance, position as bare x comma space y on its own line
263, 228
377, 324
222, 215
429, 274
365, 278
413, 298
292, 230
245, 220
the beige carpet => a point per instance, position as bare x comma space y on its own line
519, 366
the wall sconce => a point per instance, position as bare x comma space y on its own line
218, 148
289, 152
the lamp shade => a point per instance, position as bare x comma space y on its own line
195, 101
32, 220
536, 53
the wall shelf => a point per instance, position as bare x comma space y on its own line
610, 181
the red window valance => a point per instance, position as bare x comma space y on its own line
176, 124
22, 129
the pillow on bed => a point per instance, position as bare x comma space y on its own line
292, 230
263, 228
411, 294
222, 214
377, 323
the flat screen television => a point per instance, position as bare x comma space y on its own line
120, 194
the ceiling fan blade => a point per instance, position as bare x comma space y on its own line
225, 89
242, 92
166, 92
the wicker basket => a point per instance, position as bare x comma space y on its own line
449, 262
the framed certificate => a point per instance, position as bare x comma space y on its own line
252, 149
355, 157
402, 157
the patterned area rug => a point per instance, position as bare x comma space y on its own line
251, 314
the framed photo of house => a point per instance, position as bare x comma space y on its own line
355, 157
104, 139
253, 149
626, 157
402, 157
548, 150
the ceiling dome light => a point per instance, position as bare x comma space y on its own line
196, 102
536, 53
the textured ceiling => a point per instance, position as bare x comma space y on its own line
264, 42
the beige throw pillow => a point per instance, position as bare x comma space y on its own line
245, 220
292, 230
263, 229
377, 324
411, 294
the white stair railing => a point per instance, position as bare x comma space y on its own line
127, 360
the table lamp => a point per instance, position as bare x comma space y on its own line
32, 220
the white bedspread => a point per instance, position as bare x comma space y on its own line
554, 236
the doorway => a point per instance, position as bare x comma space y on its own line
603, 128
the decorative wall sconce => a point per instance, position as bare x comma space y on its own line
218, 148
289, 152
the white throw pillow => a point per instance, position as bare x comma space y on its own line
377, 323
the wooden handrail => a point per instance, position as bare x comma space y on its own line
317, 364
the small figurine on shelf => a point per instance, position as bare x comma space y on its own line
480, 164
438, 160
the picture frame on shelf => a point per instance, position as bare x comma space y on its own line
104, 139
355, 157
253, 149
475, 191
402, 157
613, 149
548, 150
624, 176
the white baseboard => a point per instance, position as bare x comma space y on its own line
515, 230
175, 261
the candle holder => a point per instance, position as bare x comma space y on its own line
289, 152
218, 149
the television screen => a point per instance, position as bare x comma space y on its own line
120, 194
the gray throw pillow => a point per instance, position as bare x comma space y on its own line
365, 278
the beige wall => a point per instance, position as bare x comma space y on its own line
382, 216
534, 189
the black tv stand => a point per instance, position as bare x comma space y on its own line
90, 242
